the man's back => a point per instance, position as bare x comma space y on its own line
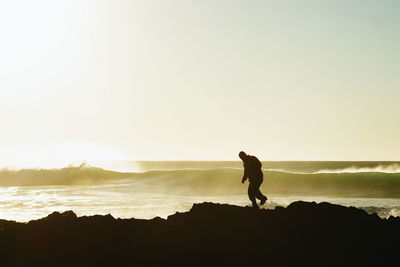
252, 168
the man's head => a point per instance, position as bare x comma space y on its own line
242, 155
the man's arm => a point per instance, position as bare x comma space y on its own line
244, 178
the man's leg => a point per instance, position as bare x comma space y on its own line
252, 194
259, 195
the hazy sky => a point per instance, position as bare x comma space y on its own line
199, 80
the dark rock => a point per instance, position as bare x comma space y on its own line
303, 234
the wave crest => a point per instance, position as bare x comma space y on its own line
72, 175
220, 181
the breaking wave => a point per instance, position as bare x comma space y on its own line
220, 181
227, 181
393, 168
83, 174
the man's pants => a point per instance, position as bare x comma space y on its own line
254, 192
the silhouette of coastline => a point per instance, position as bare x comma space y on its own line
303, 234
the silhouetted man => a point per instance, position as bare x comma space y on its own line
252, 170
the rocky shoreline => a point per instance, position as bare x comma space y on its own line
303, 234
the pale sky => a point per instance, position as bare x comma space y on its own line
199, 80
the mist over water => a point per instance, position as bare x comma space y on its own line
150, 189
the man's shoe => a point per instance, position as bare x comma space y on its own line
255, 206
262, 202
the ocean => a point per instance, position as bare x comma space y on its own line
127, 189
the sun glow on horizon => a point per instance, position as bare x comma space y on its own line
63, 155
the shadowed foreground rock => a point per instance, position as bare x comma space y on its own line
303, 234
